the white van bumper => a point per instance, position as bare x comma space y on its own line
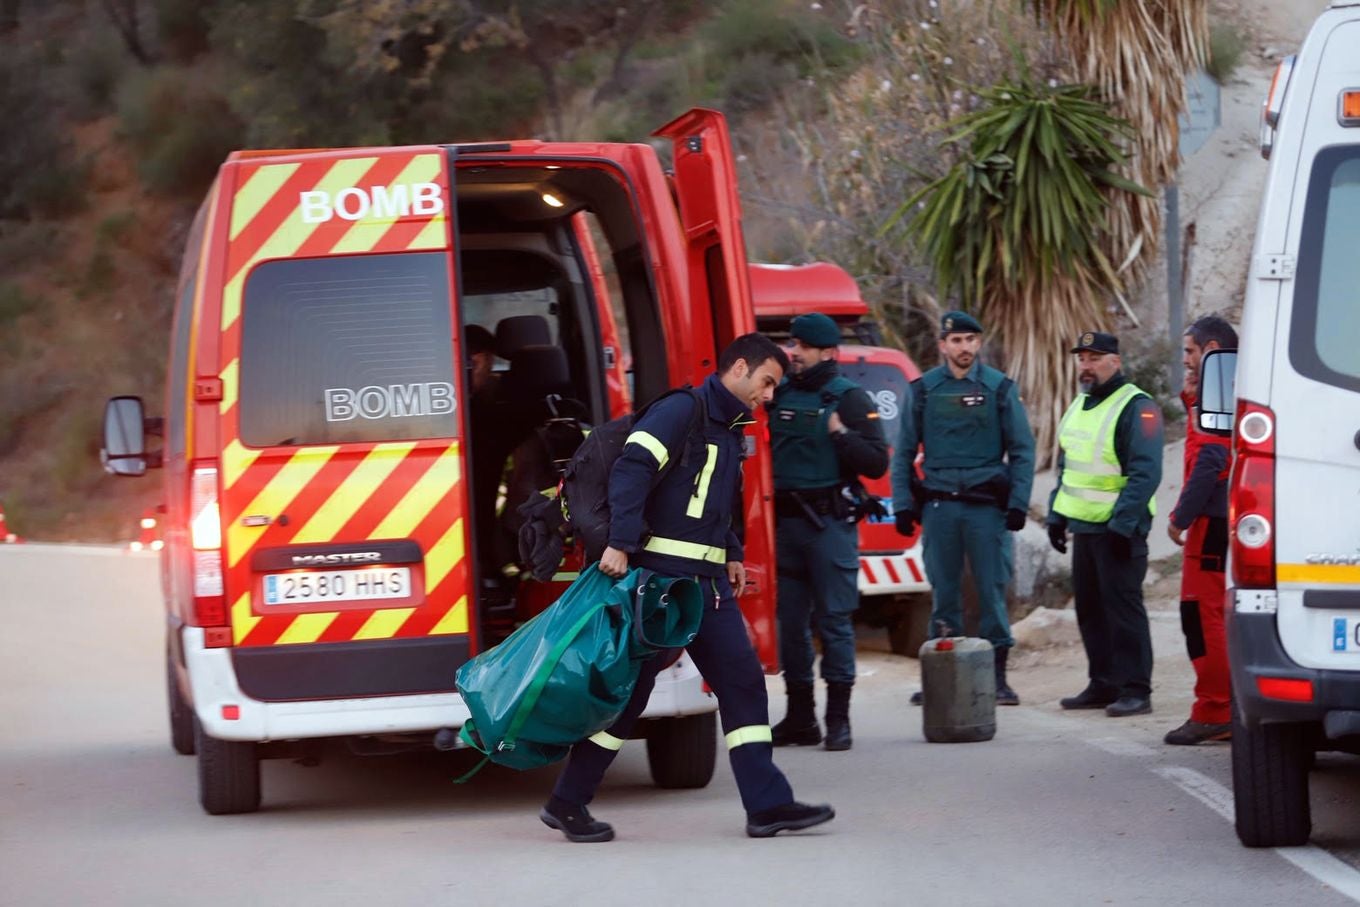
228, 714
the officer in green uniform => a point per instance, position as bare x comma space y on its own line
825, 433
1109, 466
978, 469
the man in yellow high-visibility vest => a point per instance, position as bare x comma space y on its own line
1109, 466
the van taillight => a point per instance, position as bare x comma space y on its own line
205, 534
1251, 499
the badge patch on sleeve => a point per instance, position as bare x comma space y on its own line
1150, 418
784, 415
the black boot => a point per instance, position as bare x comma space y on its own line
1004, 694
838, 716
799, 727
789, 817
575, 822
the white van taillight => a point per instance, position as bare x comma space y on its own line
1274, 104
205, 533
1348, 110
1251, 498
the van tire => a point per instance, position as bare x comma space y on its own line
682, 752
228, 774
1270, 783
181, 713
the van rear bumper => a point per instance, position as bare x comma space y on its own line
1255, 651
213, 686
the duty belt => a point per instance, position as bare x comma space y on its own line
814, 503
969, 496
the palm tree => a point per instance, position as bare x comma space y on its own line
1039, 250
1137, 54
1010, 227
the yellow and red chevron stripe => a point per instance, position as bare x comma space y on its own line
400, 490
267, 222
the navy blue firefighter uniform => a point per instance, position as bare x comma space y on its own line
682, 525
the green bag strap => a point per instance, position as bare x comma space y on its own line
531, 696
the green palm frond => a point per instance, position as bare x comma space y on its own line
1023, 198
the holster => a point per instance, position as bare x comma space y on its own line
813, 505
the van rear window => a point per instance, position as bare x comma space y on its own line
345, 350
1326, 318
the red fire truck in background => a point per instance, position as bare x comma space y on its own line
894, 592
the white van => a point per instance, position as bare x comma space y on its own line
1293, 607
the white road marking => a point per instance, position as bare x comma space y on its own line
1116, 746
1315, 861
1200, 786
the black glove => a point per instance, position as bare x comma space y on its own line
1015, 519
1057, 537
906, 521
1121, 546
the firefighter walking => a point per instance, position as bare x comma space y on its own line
1109, 466
1199, 522
978, 466
682, 525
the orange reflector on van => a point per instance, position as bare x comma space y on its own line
1288, 689
1350, 107
216, 637
231, 713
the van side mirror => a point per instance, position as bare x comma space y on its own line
125, 427
1217, 391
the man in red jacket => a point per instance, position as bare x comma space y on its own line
1199, 522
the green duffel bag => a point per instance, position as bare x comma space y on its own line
568, 673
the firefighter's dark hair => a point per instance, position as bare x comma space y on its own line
755, 348
1212, 327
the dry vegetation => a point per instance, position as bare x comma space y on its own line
841, 112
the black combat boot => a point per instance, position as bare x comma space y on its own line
799, 727
1004, 694
838, 716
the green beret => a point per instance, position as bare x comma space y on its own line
959, 323
815, 329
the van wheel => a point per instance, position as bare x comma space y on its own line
228, 774
1270, 783
910, 625
681, 752
181, 713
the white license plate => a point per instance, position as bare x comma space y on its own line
1346, 635
306, 587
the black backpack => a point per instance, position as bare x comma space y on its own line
581, 509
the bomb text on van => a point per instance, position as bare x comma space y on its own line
394, 401
355, 203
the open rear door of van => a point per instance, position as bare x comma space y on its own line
710, 214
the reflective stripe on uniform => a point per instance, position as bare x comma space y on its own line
606, 740
649, 443
696, 503
691, 550
752, 733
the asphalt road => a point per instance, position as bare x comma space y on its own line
1059, 809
